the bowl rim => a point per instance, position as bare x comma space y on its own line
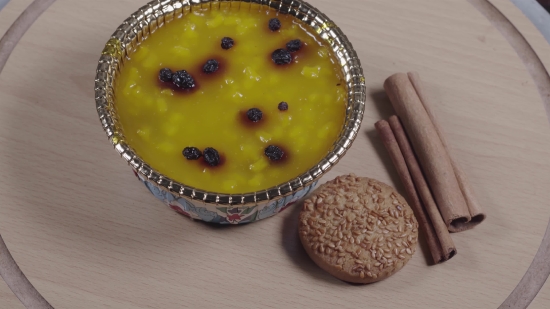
155, 14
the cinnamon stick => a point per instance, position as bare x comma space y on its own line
423, 190
432, 237
431, 153
474, 207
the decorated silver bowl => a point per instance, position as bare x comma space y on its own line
211, 206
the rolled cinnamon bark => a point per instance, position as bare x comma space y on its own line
433, 238
476, 212
423, 190
430, 151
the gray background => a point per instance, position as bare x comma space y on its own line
2, 3
536, 13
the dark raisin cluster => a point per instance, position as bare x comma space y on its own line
254, 114
183, 80
165, 75
274, 24
180, 79
211, 155
283, 106
281, 57
294, 46
192, 153
227, 43
274, 153
211, 66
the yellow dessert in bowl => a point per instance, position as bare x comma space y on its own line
160, 120
233, 98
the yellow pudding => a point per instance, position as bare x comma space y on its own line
160, 119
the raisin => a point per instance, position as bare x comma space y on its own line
227, 43
211, 156
283, 106
165, 75
274, 24
183, 80
192, 153
294, 46
274, 153
281, 57
254, 114
211, 66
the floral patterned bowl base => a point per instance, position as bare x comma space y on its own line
225, 214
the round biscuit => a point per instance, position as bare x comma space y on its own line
358, 229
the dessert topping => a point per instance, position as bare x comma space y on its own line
192, 153
281, 57
211, 66
283, 106
294, 46
211, 156
254, 114
274, 24
274, 153
165, 75
227, 43
183, 80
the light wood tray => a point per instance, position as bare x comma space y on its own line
88, 235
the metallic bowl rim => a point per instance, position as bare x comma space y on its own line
155, 14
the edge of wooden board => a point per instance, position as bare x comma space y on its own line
517, 32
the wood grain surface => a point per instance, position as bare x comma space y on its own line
88, 235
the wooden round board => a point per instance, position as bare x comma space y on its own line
88, 235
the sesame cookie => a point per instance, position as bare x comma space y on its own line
358, 229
